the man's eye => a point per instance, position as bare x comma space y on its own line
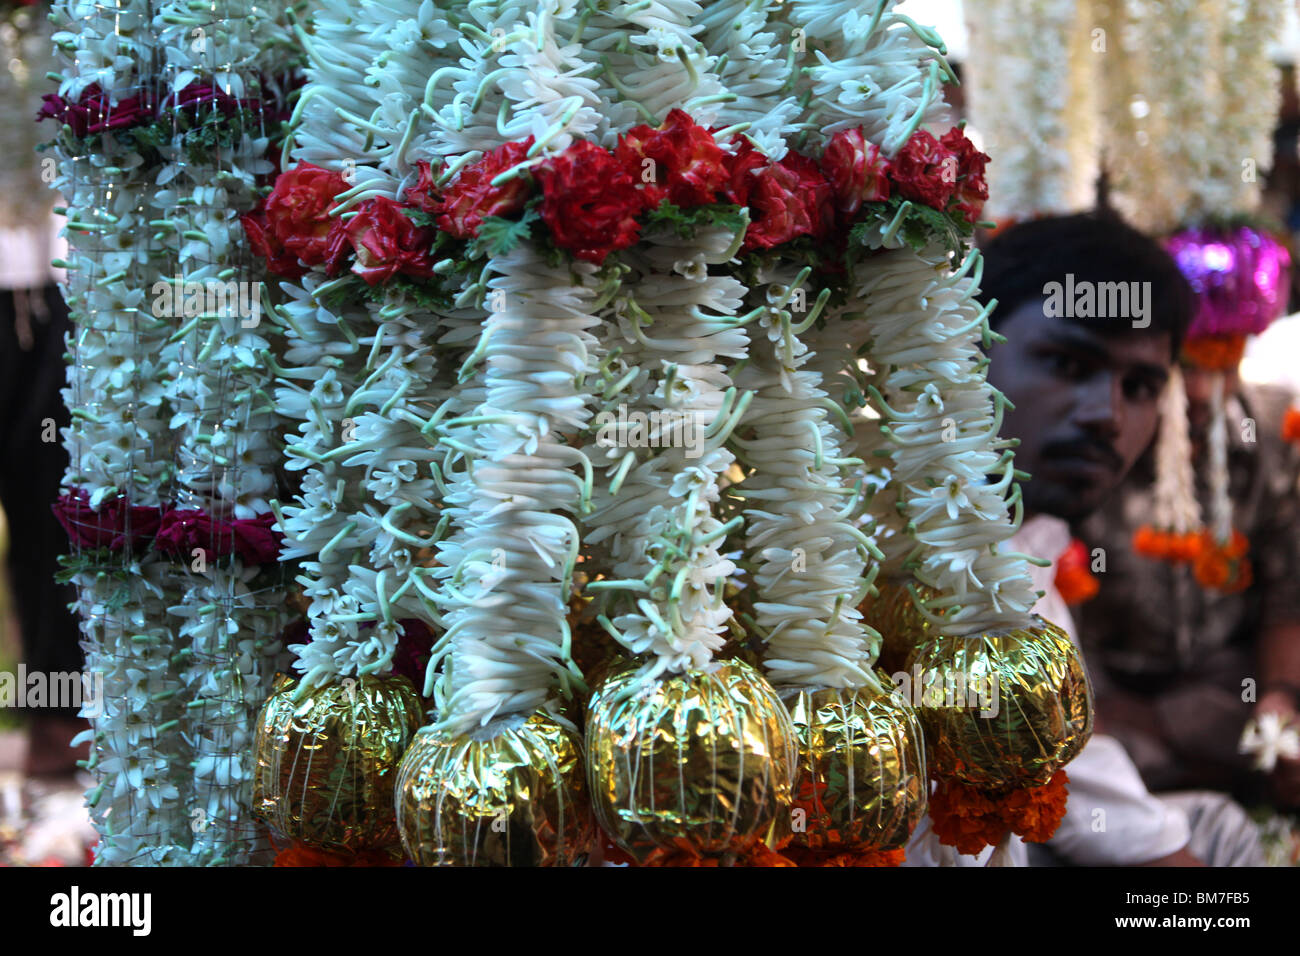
1066, 365
1141, 389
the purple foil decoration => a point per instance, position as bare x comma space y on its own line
1241, 278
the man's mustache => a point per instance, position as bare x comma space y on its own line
1086, 449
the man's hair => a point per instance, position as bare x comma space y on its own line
1021, 260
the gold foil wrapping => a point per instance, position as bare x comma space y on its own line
516, 798
861, 782
700, 763
1001, 710
894, 614
326, 763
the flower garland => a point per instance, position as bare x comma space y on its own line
1175, 531
1030, 94
559, 213
119, 449
232, 613
202, 496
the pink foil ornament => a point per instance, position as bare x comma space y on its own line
1241, 277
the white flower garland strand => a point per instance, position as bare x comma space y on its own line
1174, 503
514, 550
676, 323
222, 410
875, 69
356, 379
118, 445
1030, 77
811, 558
943, 420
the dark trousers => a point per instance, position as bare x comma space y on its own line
32, 371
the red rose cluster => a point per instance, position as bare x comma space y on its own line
592, 198
121, 526
293, 230
95, 113
945, 174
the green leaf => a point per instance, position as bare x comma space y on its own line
685, 222
497, 235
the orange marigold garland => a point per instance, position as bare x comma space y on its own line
300, 854
1291, 425
970, 819
1215, 352
1074, 580
804, 856
1168, 545
1223, 567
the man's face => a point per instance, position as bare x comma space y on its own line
1086, 405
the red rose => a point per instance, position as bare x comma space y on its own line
741, 168
688, 164
471, 197
790, 198
926, 171
264, 242
116, 525
590, 201
856, 170
95, 113
424, 195
182, 530
972, 189
298, 211
387, 243
199, 97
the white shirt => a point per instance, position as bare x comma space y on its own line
1111, 819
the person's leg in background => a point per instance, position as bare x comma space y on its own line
32, 327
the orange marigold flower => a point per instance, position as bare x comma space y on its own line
1291, 425
1186, 547
300, 854
805, 856
1077, 585
1149, 542
965, 818
1035, 812
1074, 580
1215, 352
970, 819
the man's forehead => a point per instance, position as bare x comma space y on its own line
1115, 337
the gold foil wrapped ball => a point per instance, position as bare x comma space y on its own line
861, 782
326, 762
1001, 710
698, 763
516, 797
894, 614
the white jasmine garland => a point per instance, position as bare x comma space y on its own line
953, 486
118, 445
678, 323
1030, 78
875, 68
799, 515
1174, 504
511, 557
222, 413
